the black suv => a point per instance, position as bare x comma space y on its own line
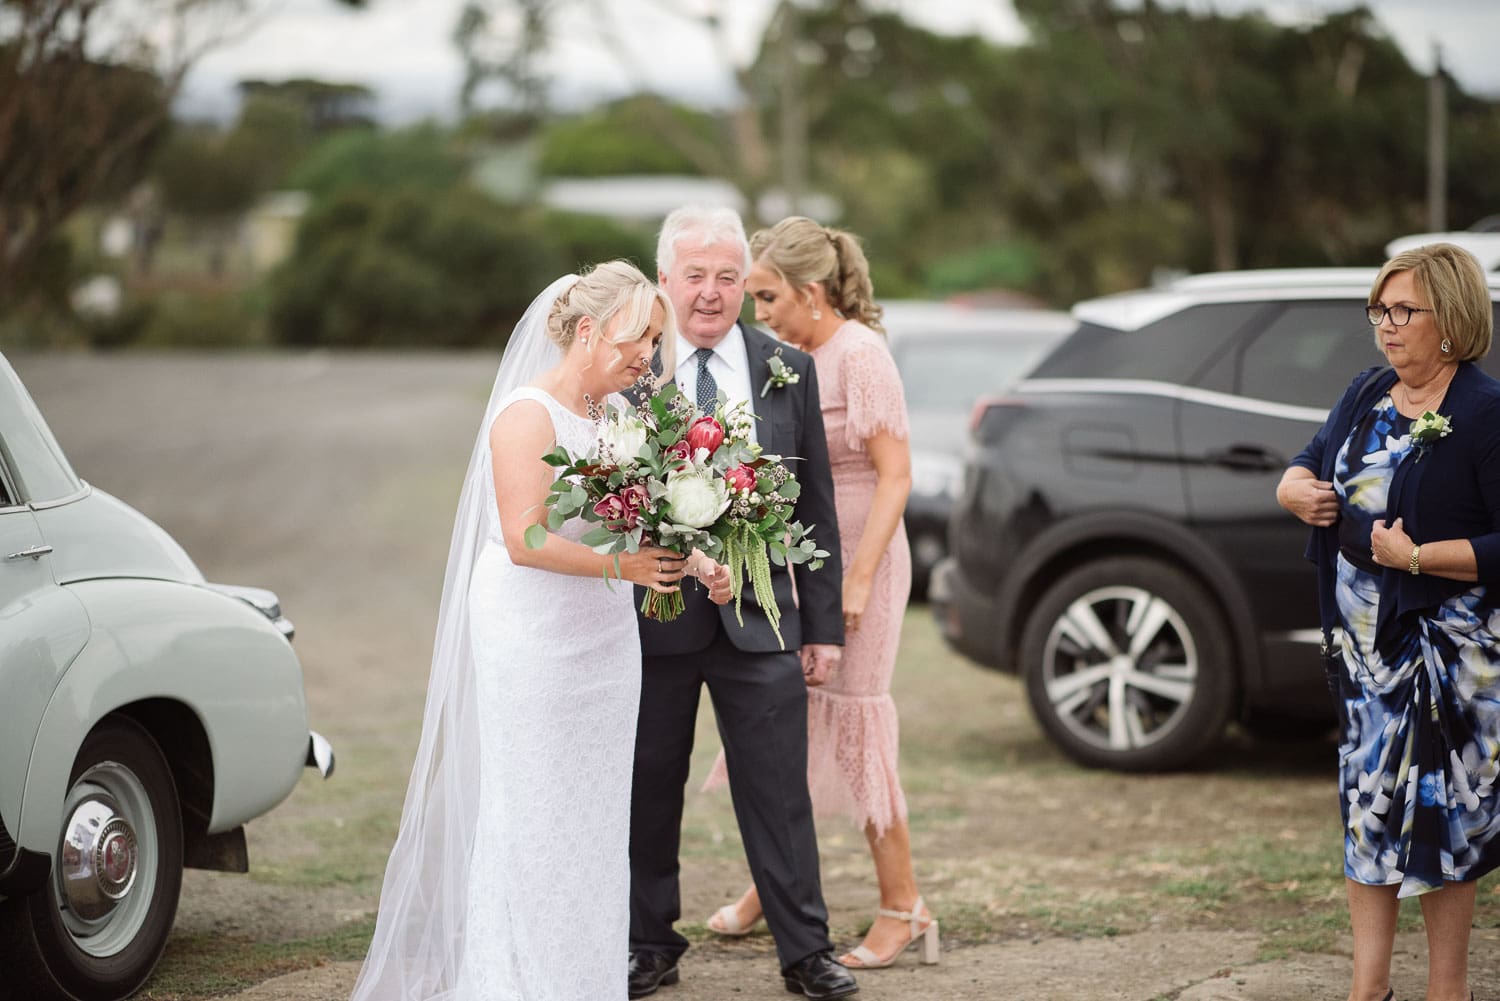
1117, 540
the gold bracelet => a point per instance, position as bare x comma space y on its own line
1416, 563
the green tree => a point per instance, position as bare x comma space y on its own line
86, 87
423, 158
324, 106
1271, 145
739, 148
502, 43
410, 269
621, 138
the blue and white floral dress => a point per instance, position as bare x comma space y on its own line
1420, 751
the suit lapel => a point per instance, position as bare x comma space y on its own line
769, 408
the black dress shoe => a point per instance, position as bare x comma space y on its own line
820, 977
649, 970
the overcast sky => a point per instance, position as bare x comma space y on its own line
404, 50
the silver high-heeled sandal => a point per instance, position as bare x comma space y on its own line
728, 918
931, 946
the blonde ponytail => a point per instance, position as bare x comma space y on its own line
803, 252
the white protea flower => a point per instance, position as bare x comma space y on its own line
623, 437
694, 498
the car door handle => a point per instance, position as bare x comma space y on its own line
1246, 458
35, 552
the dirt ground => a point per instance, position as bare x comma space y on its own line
331, 479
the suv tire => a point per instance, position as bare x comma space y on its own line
1128, 665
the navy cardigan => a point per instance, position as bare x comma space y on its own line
1450, 490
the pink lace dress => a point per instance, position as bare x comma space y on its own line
851, 720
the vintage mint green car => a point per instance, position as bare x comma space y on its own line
145, 716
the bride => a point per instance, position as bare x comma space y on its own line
509, 879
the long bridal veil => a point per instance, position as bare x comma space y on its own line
417, 951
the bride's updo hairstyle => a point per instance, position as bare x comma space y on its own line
609, 290
803, 252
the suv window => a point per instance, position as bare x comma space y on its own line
1173, 349
947, 374
1304, 356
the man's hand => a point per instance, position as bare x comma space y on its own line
819, 660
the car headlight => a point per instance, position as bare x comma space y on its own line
263, 601
935, 474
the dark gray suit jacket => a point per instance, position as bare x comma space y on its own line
790, 425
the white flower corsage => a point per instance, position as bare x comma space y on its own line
1428, 429
781, 374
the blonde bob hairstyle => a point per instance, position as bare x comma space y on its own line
615, 289
804, 252
1451, 280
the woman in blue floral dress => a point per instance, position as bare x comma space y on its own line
1402, 488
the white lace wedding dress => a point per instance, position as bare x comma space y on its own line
558, 672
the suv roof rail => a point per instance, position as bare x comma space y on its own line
1133, 310
1483, 245
1277, 278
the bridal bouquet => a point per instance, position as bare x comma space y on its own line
662, 473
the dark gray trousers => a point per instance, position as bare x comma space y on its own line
760, 700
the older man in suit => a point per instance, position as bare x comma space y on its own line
757, 687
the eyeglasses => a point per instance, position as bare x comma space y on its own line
1400, 314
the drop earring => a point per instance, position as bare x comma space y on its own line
1446, 347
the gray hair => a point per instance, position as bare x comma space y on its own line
707, 225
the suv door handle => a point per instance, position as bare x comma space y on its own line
1246, 459
35, 552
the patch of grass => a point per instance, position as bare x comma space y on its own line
1205, 891
1320, 931
340, 861
197, 966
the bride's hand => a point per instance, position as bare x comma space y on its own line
653, 567
713, 574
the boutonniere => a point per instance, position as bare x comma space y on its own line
781, 374
1428, 429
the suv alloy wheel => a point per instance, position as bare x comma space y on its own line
1126, 664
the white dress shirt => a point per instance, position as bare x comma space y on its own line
729, 365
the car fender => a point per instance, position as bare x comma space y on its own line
163, 640
36, 648
1090, 535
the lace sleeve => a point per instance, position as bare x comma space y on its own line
873, 395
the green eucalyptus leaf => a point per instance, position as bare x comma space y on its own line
598, 536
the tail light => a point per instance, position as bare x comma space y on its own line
992, 415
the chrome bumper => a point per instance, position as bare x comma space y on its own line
319, 753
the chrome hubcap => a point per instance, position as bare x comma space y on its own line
1120, 668
108, 853
98, 858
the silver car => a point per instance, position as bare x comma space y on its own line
145, 716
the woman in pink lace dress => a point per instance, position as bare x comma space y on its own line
811, 285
